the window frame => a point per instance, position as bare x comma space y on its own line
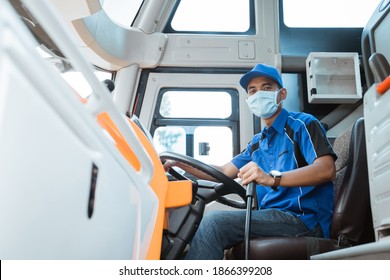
190, 124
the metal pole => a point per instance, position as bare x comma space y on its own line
250, 193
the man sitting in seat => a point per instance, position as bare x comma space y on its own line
293, 165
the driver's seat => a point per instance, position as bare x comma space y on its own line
351, 222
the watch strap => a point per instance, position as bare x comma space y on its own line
276, 182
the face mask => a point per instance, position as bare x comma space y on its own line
263, 103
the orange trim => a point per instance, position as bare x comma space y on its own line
120, 142
178, 194
170, 194
384, 86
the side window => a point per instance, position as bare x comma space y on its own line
220, 16
304, 13
202, 123
122, 12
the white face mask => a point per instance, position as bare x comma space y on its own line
263, 103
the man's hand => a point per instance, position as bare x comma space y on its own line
320, 171
169, 164
252, 172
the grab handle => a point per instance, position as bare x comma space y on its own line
383, 86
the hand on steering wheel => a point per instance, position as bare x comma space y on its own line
227, 186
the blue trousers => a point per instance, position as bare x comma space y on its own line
220, 230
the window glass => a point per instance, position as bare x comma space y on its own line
122, 12
212, 16
330, 13
172, 139
213, 144
192, 104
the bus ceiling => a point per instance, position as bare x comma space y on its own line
110, 37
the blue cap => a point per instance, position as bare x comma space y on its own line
261, 70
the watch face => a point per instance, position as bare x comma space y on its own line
275, 173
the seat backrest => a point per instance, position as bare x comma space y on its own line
352, 217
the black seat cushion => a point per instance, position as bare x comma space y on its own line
283, 248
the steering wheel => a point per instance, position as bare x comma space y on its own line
227, 186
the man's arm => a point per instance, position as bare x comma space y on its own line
322, 170
229, 169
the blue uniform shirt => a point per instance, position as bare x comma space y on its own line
294, 140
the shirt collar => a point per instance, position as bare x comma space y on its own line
280, 121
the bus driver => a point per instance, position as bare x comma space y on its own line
293, 165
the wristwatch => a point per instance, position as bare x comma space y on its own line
277, 175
